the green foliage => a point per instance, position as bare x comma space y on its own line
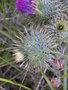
11, 82
47, 80
23, 47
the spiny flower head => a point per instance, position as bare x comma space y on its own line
34, 49
59, 26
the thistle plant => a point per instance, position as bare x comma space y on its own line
34, 49
36, 41
59, 26
39, 10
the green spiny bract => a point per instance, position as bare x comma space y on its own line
34, 49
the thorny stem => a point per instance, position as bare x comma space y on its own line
40, 81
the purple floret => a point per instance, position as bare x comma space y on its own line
25, 6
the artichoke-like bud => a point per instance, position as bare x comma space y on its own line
34, 48
59, 26
40, 11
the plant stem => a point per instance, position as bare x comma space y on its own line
65, 73
40, 81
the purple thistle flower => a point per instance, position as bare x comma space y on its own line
26, 6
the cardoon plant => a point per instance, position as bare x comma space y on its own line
35, 48
38, 10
